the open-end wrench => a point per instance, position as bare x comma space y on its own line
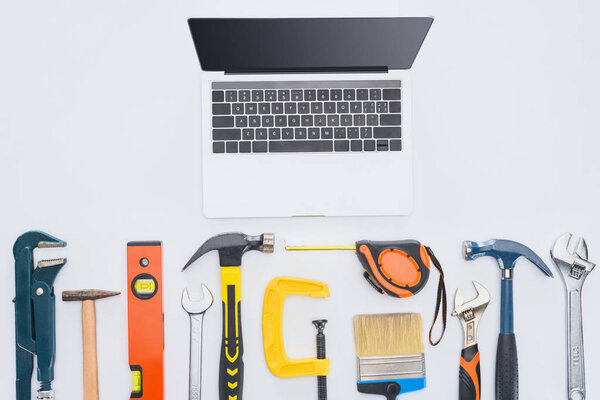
196, 309
571, 259
469, 313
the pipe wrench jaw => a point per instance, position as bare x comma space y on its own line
570, 256
469, 313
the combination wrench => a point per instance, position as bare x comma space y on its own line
196, 310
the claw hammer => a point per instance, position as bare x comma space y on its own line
231, 248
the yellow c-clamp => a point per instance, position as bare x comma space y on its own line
278, 362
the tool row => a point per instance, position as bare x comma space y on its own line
389, 347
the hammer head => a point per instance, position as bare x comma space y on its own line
232, 246
506, 252
87, 294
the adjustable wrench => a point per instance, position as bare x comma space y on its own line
571, 259
469, 314
196, 309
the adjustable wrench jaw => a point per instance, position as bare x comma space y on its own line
470, 313
571, 259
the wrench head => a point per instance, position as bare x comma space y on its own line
478, 304
197, 306
570, 256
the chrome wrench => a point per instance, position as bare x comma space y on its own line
571, 260
196, 309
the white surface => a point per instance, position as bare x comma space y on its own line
99, 145
308, 184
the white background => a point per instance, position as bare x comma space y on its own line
100, 134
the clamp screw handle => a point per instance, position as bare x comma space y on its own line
321, 355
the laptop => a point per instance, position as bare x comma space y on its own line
307, 116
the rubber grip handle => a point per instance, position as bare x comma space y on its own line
507, 368
231, 371
469, 386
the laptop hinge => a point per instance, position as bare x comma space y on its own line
308, 70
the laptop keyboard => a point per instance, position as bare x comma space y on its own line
320, 116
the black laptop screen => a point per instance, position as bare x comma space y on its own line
308, 44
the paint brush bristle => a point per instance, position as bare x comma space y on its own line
388, 334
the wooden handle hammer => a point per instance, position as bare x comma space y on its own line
88, 323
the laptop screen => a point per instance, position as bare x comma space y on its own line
308, 44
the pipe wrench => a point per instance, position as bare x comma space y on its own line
34, 313
570, 257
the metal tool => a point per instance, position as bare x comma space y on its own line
570, 257
506, 253
321, 355
469, 314
88, 324
231, 248
34, 313
196, 310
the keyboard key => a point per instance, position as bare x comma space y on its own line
221, 109
297, 95
333, 120
316, 108
283, 95
231, 147
356, 145
353, 133
391, 94
248, 134
258, 95
310, 94
390, 119
336, 94
261, 134
381, 132
395, 107
368, 107
313, 133
268, 121
339, 133
270, 95
241, 121
323, 94
231, 96
293, 120
346, 120
277, 108
326, 133
396, 145
218, 96
375, 94
264, 108
280, 120
218, 147
274, 134
349, 94
320, 120
254, 121
250, 108
238, 108
303, 108
362, 94
342, 145
342, 107
382, 107
227, 134
244, 95
355, 107
287, 133
259, 147
245, 147
307, 120
329, 108
290, 108
382, 145
222, 122
369, 145
372, 119
300, 146
366, 133
300, 133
